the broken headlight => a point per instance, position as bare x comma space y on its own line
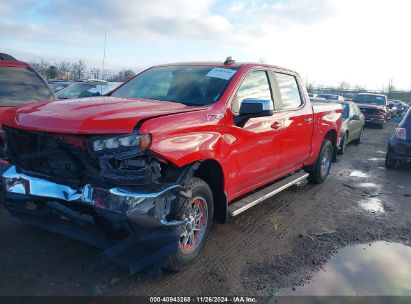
142, 141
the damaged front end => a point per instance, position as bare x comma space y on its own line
123, 199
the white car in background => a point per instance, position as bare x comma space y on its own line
88, 88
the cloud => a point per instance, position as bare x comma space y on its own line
326, 40
162, 19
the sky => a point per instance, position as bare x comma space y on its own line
361, 42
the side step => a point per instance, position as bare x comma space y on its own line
247, 202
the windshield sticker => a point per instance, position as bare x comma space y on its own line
221, 73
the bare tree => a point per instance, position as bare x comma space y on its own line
123, 75
359, 88
44, 65
36, 66
95, 73
64, 68
78, 69
343, 87
310, 87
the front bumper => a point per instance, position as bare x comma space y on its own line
118, 220
373, 120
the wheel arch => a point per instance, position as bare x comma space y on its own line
332, 136
212, 173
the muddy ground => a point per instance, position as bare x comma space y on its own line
280, 243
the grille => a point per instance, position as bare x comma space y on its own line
43, 155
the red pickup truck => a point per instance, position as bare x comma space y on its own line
143, 173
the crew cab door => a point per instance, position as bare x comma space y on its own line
297, 119
255, 154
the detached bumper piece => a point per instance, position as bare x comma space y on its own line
131, 225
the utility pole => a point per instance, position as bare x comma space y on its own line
104, 54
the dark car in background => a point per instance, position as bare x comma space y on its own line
88, 88
399, 145
333, 97
374, 107
352, 126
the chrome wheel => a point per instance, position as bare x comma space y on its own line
326, 162
196, 223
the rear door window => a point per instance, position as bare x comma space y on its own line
290, 93
20, 86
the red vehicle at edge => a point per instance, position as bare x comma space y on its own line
147, 169
20, 84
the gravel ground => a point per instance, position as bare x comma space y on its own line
280, 243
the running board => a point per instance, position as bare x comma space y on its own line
247, 202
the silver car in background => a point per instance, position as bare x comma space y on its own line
353, 125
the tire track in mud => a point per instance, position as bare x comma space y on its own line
227, 244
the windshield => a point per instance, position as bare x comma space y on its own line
189, 85
80, 90
57, 86
371, 99
20, 86
346, 111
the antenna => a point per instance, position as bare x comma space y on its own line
104, 54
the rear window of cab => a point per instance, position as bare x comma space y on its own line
20, 86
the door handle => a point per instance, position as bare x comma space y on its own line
308, 120
276, 125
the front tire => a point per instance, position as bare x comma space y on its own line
323, 163
199, 217
343, 144
358, 140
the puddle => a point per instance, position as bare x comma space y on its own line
379, 269
358, 174
376, 159
372, 204
369, 185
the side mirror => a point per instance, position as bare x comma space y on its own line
355, 117
256, 107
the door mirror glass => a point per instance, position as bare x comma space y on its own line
355, 117
256, 107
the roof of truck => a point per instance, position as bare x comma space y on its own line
222, 64
10, 61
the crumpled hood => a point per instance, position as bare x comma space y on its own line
97, 115
370, 106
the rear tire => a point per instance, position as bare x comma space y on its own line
390, 163
323, 163
358, 140
195, 232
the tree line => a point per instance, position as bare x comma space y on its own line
78, 71
347, 90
